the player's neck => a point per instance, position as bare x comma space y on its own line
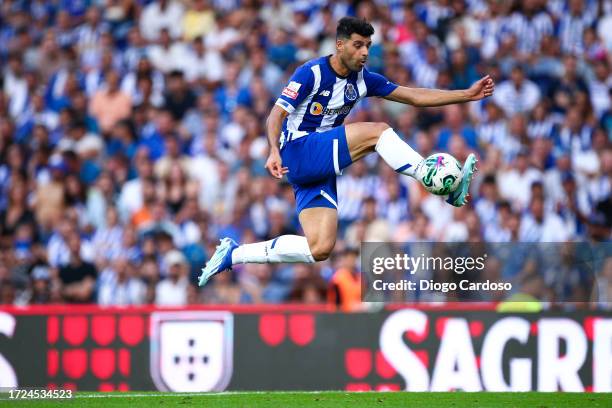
338, 67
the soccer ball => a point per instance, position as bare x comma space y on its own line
440, 173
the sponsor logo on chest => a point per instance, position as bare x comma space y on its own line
317, 109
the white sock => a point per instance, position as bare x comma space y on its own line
286, 248
398, 154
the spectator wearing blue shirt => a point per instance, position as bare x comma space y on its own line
454, 123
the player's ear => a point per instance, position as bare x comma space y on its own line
340, 44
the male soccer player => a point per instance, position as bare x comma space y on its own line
315, 146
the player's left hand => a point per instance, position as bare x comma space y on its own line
274, 165
481, 89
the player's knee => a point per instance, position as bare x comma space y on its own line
380, 127
321, 254
377, 129
321, 250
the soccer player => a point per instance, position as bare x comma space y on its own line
315, 146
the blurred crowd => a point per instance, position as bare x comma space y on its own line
132, 137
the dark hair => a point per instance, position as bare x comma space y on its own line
504, 204
369, 200
79, 123
489, 179
176, 74
350, 25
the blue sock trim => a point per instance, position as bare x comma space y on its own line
404, 167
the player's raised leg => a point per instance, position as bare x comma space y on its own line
366, 137
320, 226
286, 248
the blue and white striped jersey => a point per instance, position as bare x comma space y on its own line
317, 99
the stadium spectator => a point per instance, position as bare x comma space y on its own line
159, 15
345, 285
370, 227
119, 287
529, 26
17, 211
260, 67
40, 292
77, 278
569, 84
392, 203
203, 65
7, 293
455, 125
110, 105
309, 287
599, 88
172, 291
540, 225
178, 98
463, 73
518, 94
198, 21
515, 182
224, 291
572, 25
355, 187
107, 238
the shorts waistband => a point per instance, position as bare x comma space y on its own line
290, 135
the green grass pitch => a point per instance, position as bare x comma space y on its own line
322, 399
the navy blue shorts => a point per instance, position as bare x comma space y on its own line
314, 161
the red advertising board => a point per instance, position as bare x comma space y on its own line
298, 347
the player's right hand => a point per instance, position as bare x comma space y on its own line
274, 165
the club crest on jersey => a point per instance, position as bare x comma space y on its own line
350, 92
316, 109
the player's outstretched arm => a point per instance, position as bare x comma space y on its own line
273, 127
424, 97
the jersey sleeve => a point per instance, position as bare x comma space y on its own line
298, 88
377, 85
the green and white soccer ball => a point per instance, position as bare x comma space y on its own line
441, 173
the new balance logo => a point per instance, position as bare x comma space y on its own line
324, 93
